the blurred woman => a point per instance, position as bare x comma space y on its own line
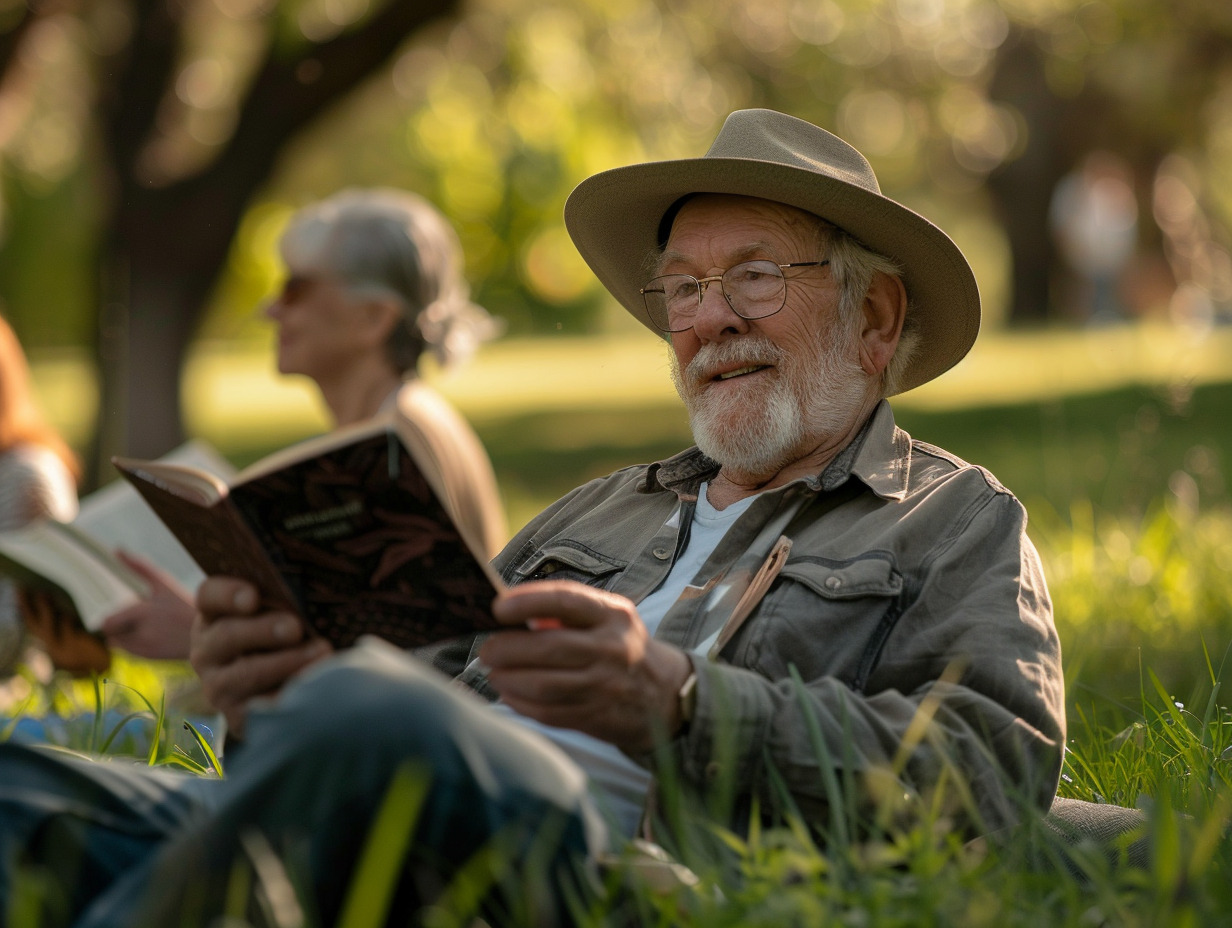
374, 281
38, 479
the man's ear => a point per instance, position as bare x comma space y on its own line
885, 308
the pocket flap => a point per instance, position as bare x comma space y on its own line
868, 576
568, 560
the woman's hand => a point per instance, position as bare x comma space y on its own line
159, 626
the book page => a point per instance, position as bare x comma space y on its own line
196, 486
118, 517
348, 531
213, 532
310, 448
96, 582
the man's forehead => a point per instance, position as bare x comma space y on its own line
741, 206
742, 227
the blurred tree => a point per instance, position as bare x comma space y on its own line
185, 107
1143, 83
970, 110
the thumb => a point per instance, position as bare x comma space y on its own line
118, 623
139, 566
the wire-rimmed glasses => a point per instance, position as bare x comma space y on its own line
753, 289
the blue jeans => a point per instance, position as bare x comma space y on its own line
130, 845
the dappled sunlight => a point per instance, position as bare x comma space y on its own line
233, 391
1135, 593
1014, 367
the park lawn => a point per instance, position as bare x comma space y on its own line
1163, 749
1125, 478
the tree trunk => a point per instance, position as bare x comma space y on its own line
163, 248
1022, 189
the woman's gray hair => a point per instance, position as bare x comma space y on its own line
391, 243
854, 266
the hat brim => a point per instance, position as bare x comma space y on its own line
614, 217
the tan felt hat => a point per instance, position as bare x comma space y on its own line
619, 218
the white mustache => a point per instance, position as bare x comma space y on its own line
715, 356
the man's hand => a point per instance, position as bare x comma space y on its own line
586, 663
160, 626
241, 655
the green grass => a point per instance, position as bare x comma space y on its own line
1146, 616
1118, 450
1126, 483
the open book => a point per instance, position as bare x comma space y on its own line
77, 558
349, 530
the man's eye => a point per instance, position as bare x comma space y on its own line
680, 289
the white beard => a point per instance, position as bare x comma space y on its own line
768, 426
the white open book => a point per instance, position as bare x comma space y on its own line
78, 557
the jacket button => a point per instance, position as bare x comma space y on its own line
661, 553
833, 583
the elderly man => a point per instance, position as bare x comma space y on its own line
806, 598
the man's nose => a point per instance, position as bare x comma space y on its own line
715, 314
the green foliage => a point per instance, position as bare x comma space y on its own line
1136, 594
496, 116
1135, 530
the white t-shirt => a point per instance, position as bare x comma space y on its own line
617, 784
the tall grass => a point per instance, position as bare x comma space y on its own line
1144, 607
1133, 595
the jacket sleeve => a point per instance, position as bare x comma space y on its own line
966, 697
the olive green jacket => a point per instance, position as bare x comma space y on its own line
908, 635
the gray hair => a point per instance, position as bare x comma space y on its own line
390, 243
854, 266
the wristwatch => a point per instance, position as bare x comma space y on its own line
686, 701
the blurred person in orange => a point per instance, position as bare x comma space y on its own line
38, 479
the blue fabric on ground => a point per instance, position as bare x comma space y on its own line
132, 846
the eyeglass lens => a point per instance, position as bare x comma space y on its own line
753, 289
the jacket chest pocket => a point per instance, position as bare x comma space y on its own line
824, 617
563, 561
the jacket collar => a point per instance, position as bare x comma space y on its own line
879, 456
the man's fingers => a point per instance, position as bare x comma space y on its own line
556, 648
223, 596
537, 687
259, 674
225, 639
565, 601
229, 688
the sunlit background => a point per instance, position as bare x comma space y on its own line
1079, 152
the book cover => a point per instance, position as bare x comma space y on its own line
348, 531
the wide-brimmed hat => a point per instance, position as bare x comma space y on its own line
617, 220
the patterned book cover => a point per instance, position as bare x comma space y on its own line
351, 536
